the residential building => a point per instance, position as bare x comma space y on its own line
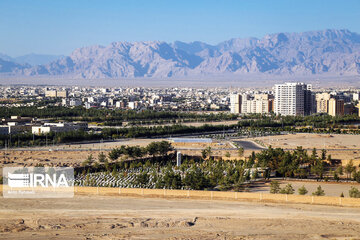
292, 99
235, 103
336, 107
58, 127
322, 102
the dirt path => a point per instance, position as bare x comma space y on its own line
99, 217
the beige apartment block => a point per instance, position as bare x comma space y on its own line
336, 107
322, 102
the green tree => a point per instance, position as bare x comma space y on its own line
323, 154
319, 192
340, 170
114, 171
240, 151
196, 179
349, 169
89, 161
288, 189
227, 154
318, 168
302, 190
142, 179
274, 187
354, 192
356, 176
102, 157
207, 152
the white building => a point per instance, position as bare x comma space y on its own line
290, 98
58, 127
235, 103
258, 103
132, 105
75, 102
356, 96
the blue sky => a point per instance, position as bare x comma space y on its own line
60, 26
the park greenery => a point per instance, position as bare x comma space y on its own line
111, 117
153, 166
249, 125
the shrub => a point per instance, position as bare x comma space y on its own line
274, 187
288, 189
302, 190
354, 192
319, 192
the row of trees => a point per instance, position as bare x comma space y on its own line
288, 189
28, 139
160, 149
318, 121
106, 115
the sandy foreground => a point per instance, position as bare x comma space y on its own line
108, 217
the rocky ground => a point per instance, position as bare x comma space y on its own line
105, 217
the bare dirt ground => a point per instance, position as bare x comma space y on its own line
308, 140
330, 188
343, 147
100, 217
75, 154
72, 155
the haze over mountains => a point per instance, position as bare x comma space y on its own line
329, 52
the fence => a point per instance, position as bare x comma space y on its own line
216, 195
219, 195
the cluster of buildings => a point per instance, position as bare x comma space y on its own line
17, 124
295, 99
137, 98
251, 103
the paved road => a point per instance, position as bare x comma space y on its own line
247, 145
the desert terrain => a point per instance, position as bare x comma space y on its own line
343, 147
107, 217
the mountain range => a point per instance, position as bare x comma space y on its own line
330, 52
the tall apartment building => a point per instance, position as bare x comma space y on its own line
235, 103
62, 94
50, 93
55, 93
322, 102
293, 99
263, 103
336, 107
246, 103
356, 96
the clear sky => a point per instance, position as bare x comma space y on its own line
60, 26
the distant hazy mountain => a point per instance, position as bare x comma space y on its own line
11, 67
334, 52
37, 59
31, 59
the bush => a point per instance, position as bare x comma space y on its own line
288, 189
274, 187
354, 192
302, 190
319, 192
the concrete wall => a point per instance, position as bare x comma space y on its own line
218, 195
